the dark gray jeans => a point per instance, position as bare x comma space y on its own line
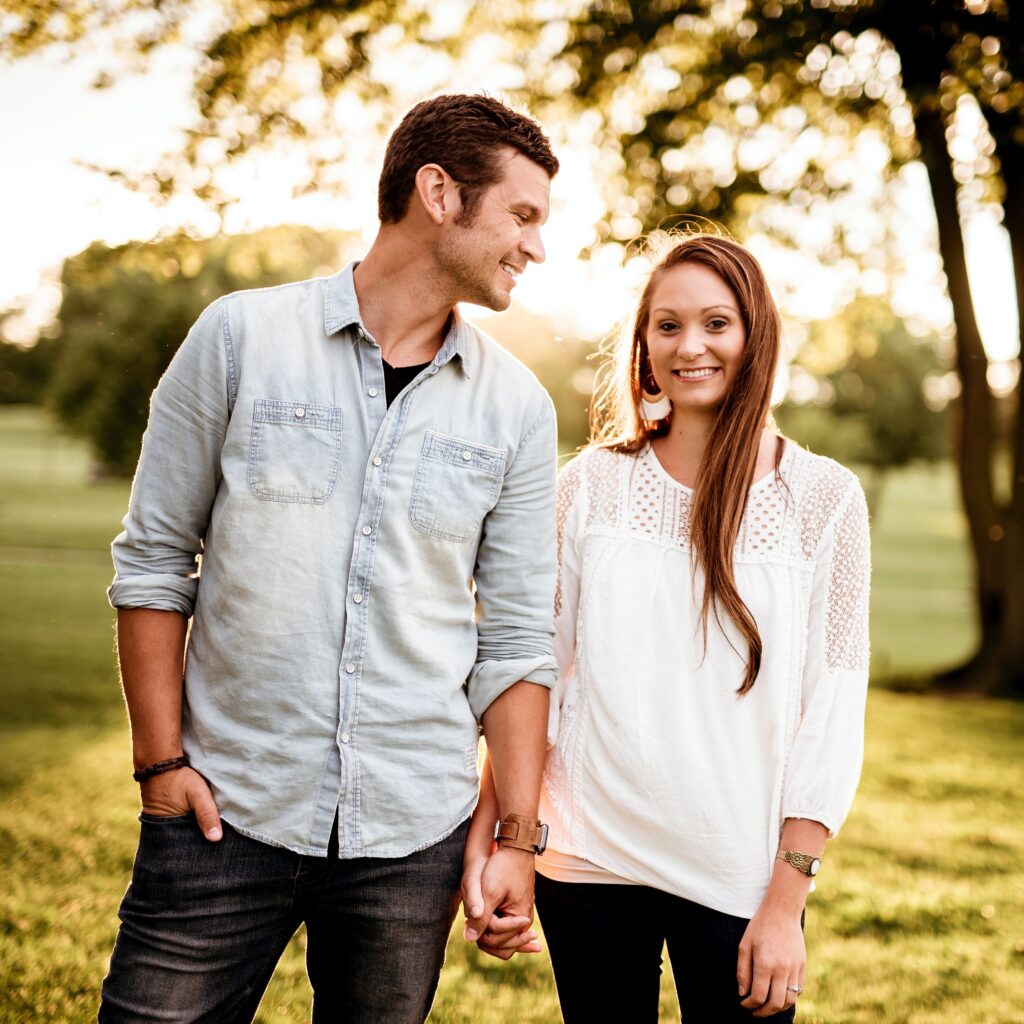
203, 925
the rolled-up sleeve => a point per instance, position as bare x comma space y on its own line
515, 573
155, 556
825, 763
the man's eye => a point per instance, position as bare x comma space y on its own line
521, 217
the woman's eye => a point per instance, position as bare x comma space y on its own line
718, 324
667, 325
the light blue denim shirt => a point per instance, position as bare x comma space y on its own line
371, 578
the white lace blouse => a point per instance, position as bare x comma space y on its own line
656, 770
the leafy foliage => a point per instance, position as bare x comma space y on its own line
25, 371
870, 407
126, 310
269, 73
750, 111
768, 84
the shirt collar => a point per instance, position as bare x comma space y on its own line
341, 309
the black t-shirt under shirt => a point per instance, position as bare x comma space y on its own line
397, 377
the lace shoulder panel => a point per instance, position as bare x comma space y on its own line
603, 475
831, 506
570, 480
846, 628
820, 486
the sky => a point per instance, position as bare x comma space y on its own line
53, 125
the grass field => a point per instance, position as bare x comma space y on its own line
919, 917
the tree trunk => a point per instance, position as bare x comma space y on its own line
973, 424
1011, 157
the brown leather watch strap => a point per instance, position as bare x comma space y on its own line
522, 833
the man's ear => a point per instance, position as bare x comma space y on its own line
437, 192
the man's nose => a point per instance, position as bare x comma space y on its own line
533, 245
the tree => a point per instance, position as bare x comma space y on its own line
126, 310
269, 72
868, 406
667, 74
900, 65
25, 370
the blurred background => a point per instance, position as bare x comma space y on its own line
159, 153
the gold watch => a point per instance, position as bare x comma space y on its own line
805, 862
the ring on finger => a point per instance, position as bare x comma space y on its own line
794, 988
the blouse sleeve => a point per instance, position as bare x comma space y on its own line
825, 762
568, 519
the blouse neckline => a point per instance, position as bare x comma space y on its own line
652, 457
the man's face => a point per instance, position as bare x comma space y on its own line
484, 257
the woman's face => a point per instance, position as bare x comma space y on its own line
695, 337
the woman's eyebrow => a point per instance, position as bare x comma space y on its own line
706, 309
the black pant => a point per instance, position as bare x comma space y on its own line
605, 943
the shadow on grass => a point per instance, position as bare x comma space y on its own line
902, 923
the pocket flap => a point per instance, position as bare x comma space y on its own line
455, 451
299, 414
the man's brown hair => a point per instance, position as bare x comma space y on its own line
465, 135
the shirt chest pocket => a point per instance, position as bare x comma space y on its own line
294, 451
456, 485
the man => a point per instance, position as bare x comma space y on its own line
369, 481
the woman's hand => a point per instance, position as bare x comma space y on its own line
772, 960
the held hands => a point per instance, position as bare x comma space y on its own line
772, 960
497, 895
181, 791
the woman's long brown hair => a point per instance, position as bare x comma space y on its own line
727, 468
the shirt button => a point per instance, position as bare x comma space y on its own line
350, 668
377, 460
358, 598
299, 412
344, 737
367, 531
372, 392
467, 456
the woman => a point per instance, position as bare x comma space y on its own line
711, 632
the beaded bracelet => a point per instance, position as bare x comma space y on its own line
141, 774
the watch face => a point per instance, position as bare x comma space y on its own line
815, 864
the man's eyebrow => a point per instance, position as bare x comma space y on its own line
529, 208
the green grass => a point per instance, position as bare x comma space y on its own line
919, 917
922, 611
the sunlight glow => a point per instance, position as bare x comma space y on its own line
52, 206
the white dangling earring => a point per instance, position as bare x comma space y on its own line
655, 407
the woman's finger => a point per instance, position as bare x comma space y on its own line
744, 970
775, 1002
507, 940
760, 987
793, 990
